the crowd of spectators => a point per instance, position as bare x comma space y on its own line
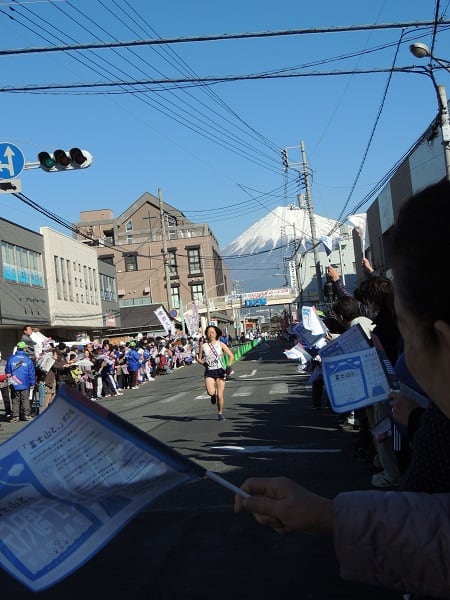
98, 369
371, 306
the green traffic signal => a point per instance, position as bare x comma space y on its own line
46, 161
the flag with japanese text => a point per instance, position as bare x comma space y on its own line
164, 319
71, 480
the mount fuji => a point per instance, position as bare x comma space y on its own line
259, 254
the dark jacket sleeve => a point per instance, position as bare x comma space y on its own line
340, 289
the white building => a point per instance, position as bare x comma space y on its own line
73, 281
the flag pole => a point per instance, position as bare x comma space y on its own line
221, 481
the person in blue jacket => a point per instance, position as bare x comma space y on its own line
22, 377
133, 360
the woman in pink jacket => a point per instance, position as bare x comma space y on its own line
399, 540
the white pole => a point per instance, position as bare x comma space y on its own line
341, 263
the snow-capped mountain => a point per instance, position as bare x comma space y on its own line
256, 258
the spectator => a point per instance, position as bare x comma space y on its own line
46, 378
4, 387
107, 373
392, 539
86, 364
378, 294
427, 431
62, 367
348, 313
340, 289
133, 360
318, 393
30, 344
22, 375
224, 338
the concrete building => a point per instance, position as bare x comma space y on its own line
23, 292
160, 256
73, 284
53, 283
424, 165
342, 257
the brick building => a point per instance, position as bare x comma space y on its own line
160, 256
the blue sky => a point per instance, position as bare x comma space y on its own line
231, 176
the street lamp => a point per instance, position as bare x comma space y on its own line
421, 50
206, 297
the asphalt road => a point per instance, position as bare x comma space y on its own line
189, 544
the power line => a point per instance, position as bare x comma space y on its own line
222, 36
208, 80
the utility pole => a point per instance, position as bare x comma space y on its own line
164, 251
312, 221
445, 127
421, 50
208, 312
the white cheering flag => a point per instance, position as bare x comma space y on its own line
164, 319
327, 242
359, 223
72, 479
192, 320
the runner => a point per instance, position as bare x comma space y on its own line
211, 355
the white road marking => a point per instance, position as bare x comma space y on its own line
248, 375
279, 388
275, 450
243, 390
277, 377
173, 398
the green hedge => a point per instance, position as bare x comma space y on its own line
242, 349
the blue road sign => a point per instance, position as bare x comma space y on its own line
12, 160
256, 302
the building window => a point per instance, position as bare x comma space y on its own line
135, 301
197, 293
94, 286
130, 262
129, 225
172, 227
58, 278
107, 258
108, 237
69, 279
22, 265
172, 262
108, 288
62, 263
175, 295
194, 261
129, 239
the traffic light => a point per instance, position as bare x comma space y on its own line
63, 160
